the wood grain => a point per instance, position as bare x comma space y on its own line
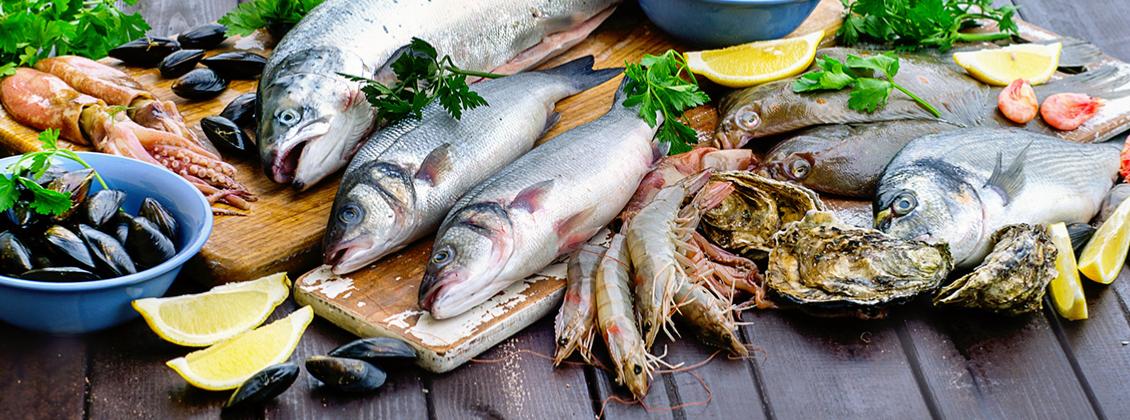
43, 376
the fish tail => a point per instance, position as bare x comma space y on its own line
580, 73
1107, 82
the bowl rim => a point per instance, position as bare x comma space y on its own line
754, 2
150, 273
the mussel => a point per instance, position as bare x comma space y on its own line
58, 274
1080, 234
121, 232
200, 84
101, 206
153, 211
145, 52
236, 64
14, 256
76, 184
346, 375
226, 135
264, 385
241, 110
373, 349
66, 245
179, 63
20, 216
109, 254
147, 244
204, 37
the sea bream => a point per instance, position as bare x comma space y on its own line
408, 175
313, 119
961, 186
541, 206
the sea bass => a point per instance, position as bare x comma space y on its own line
541, 206
313, 119
961, 186
407, 176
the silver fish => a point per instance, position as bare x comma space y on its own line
542, 206
961, 186
312, 120
407, 176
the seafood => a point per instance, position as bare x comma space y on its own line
101, 206
345, 375
226, 135
204, 37
1068, 111
407, 176
759, 207
179, 63
725, 273
1115, 197
960, 186
826, 267
710, 317
58, 274
1017, 102
153, 211
65, 244
241, 110
75, 184
236, 65
1013, 277
575, 325
671, 169
374, 349
264, 385
200, 84
613, 297
314, 120
144, 52
145, 242
15, 258
109, 254
543, 205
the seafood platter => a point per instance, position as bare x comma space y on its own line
435, 195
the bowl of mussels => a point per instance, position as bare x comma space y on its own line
74, 267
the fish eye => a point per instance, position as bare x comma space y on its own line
637, 369
747, 118
349, 214
903, 203
799, 167
288, 117
442, 257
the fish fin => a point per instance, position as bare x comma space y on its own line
550, 122
436, 165
1008, 181
530, 198
570, 231
1107, 82
581, 75
1076, 53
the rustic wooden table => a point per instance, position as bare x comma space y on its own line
917, 364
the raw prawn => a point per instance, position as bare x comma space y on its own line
671, 169
711, 317
1068, 111
617, 325
1017, 102
574, 327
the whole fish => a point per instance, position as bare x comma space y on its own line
313, 119
541, 206
961, 186
407, 176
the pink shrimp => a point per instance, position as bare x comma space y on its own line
575, 325
613, 297
1068, 111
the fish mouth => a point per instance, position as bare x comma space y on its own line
434, 294
352, 255
285, 160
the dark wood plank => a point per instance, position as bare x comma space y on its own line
615, 402
174, 16
43, 376
1103, 22
730, 383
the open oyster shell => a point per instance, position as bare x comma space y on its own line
1013, 277
827, 267
758, 208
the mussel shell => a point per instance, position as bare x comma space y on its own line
147, 245
264, 385
153, 211
109, 254
58, 274
204, 37
226, 135
234, 65
1080, 234
15, 258
242, 109
121, 232
374, 349
77, 185
200, 84
67, 245
346, 375
20, 216
179, 63
145, 52
101, 206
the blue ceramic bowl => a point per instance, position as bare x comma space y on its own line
720, 23
93, 305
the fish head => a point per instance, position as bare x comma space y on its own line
472, 248
371, 216
932, 204
739, 126
793, 159
310, 126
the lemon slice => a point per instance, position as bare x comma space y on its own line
1067, 290
756, 62
221, 313
1103, 257
227, 364
1035, 63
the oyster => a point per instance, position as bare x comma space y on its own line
758, 208
1013, 277
831, 268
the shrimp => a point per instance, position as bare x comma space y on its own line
1017, 102
575, 326
618, 327
1068, 111
726, 273
671, 169
711, 317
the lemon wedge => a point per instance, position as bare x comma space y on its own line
227, 364
1103, 257
756, 62
221, 313
1066, 289
1035, 63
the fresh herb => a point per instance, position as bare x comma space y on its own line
32, 166
36, 29
868, 93
662, 84
422, 77
923, 23
255, 14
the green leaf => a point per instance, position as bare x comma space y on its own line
885, 64
868, 95
8, 193
46, 201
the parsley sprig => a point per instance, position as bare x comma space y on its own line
422, 77
255, 14
868, 93
663, 84
36, 29
31, 166
912, 24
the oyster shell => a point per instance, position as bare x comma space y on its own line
759, 207
1013, 277
831, 268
